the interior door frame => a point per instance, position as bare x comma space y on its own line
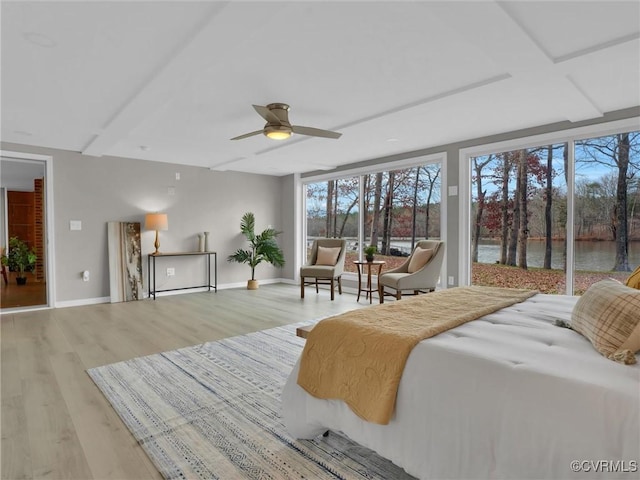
49, 242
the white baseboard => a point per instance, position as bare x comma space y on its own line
97, 300
82, 301
8, 311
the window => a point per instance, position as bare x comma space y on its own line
607, 220
391, 209
519, 215
556, 217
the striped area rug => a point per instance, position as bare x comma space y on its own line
212, 411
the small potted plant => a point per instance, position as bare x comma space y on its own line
19, 259
262, 248
369, 252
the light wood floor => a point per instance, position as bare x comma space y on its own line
56, 424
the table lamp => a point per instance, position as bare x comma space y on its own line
157, 222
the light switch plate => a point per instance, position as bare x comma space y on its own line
453, 190
75, 225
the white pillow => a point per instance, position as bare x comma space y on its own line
419, 259
327, 255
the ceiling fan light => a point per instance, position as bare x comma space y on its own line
278, 135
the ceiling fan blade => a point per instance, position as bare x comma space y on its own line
267, 114
246, 135
315, 132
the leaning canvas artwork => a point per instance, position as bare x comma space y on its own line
125, 261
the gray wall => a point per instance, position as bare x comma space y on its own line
288, 237
98, 190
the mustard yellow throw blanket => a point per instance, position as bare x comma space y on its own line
359, 356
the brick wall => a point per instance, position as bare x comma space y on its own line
39, 228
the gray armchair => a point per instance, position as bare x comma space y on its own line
325, 272
423, 280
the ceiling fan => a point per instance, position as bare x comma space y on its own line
278, 126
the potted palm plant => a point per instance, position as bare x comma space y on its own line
20, 258
262, 248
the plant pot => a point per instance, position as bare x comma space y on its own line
252, 284
21, 280
369, 258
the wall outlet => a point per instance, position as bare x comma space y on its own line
85, 276
171, 272
452, 280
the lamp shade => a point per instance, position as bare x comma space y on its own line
156, 221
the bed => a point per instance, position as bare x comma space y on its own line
509, 395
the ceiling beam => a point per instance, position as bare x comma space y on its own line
490, 27
216, 33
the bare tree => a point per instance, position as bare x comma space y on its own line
481, 193
414, 207
375, 222
521, 199
388, 211
433, 183
548, 204
330, 193
504, 210
512, 247
622, 225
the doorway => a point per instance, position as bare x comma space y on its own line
24, 216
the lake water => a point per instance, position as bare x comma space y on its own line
593, 256
589, 256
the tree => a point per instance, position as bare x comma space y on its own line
521, 196
329, 230
621, 223
548, 206
433, 174
504, 208
375, 222
414, 208
387, 220
478, 165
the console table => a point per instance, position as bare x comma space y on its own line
152, 272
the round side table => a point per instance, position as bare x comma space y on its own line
360, 265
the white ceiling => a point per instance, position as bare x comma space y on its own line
174, 81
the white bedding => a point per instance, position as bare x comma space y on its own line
509, 395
